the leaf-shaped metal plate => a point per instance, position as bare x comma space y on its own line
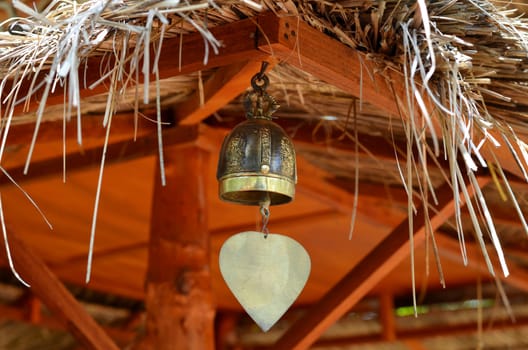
266, 275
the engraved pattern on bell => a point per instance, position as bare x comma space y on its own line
249, 146
235, 149
265, 149
257, 159
288, 156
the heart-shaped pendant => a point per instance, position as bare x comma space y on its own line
265, 273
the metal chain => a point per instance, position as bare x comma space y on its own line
265, 214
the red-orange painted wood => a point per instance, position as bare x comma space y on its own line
223, 87
386, 313
450, 248
180, 310
46, 286
366, 274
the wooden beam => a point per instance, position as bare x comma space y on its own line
238, 45
180, 311
367, 273
306, 48
224, 86
316, 53
223, 231
449, 248
146, 145
47, 287
92, 128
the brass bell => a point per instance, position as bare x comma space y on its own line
257, 160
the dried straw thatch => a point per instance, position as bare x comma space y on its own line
464, 65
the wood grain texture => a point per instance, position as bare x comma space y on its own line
47, 287
180, 310
224, 86
366, 274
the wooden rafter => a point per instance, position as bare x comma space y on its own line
238, 45
145, 145
224, 231
224, 86
290, 40
47, 287
366, 274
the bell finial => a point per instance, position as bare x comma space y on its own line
257, 102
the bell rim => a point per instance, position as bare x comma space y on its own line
245, 182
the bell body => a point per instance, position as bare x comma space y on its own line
257, 162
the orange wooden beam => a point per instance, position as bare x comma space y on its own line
316, 53
224, 86
145, 145
367, 274
296, 43
47, 287
238, 45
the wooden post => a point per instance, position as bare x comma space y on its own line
180, 311
388, 322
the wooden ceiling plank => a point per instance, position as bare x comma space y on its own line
367, 273
314, 182
224, 231
179, 300
101, 254
449, 248
47, 287
224, 86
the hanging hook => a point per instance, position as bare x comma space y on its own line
260, 81
263, 68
